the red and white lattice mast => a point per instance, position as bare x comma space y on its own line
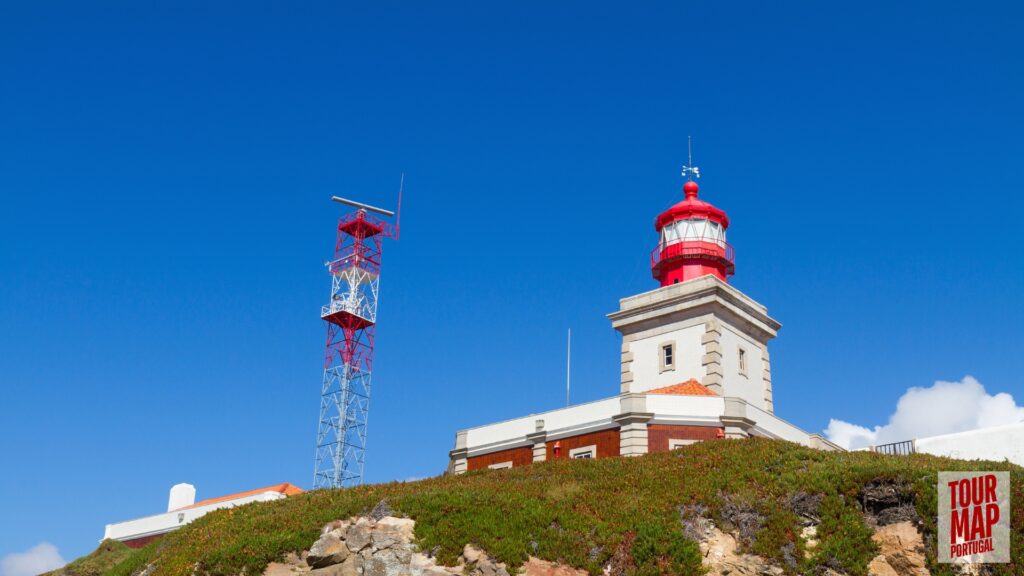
351, 318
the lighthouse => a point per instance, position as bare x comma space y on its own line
697, 326
694, 362
692, 241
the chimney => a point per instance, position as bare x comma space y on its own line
182, 495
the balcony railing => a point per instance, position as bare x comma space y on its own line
704, 249
904, 448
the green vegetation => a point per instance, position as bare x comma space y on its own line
630, 512
109, 554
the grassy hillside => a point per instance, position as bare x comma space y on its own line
631, 511
109, 554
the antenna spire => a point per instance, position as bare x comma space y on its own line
690, 171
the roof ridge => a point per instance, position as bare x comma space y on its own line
691, 387
286, 488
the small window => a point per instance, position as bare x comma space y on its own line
667, 359
501, 465
584, 452
743, 361
674, 443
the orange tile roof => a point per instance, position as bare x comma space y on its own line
689, 388
284, 488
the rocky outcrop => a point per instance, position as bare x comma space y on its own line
385, 547
902, 551
718, 548
722, 559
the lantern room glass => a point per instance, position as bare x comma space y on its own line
693, 230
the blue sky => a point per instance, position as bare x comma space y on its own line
165, 170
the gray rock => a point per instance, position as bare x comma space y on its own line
472, 554
403, 554
384, 563
403, 527
381, 510
334, 570
357, 537
352, 566
327, 551
339, 525
382, 539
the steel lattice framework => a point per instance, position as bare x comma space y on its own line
351, 318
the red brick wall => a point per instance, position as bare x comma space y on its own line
658, 435
140, 542
518, 456
607, 442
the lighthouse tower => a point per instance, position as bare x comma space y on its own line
695, 326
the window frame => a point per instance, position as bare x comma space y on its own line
670, 347
577, 453
677, 443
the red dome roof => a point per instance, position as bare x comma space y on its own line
691, 208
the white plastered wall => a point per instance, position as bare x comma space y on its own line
996, 443
748, 385
646, 363
167, 521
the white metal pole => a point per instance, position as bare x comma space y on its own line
568, 365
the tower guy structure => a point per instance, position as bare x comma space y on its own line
351, 319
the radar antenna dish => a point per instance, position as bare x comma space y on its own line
361, 206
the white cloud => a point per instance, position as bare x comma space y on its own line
40, 558
943, 408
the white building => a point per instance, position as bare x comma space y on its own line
996, 443
182, 509
695, 364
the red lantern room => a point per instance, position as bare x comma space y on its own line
692, 241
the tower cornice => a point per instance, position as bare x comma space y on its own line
689, 297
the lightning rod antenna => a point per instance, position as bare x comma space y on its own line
690, 171
568, 365
398, 218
